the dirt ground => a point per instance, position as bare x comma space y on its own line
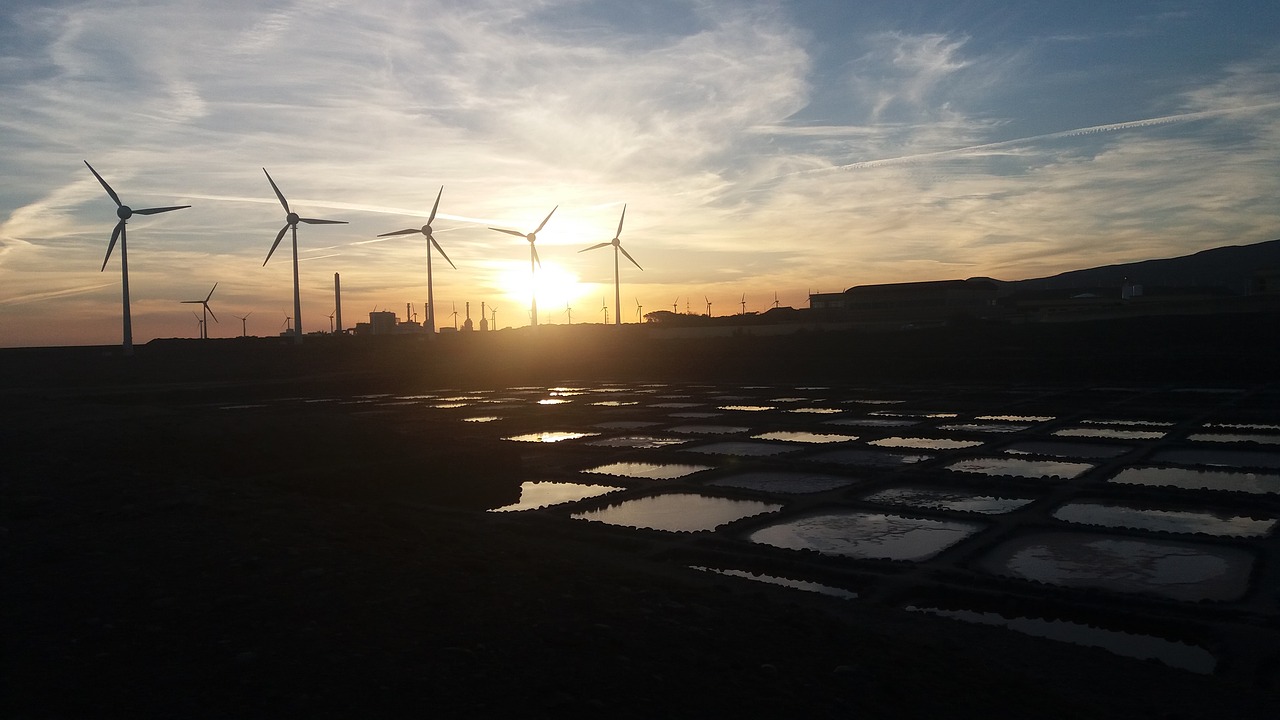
157, 563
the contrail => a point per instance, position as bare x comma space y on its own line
329, 205
1112, 127
66, 292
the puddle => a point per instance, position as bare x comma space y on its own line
866, 535
872, 422
1107, 432
534, 495
791, 483
1067, 449
876, 402
816, 410
805, 585
482, 419
870, 458
1018, 467
678, 512
675, 405
917, 414
748, 408
444, 406
553, 401
1129, 423
637, 441
550, 437
696, 415
1193, 479
1244, 426
1016, 418
625, 425
648, 471
1175, 521
1142, 647
990, 427
804, 437
789, 399
462, 398
1235, 438
742, 449
919, 443
1220, 458
708, 429
938, 499
615, 403
1178, 570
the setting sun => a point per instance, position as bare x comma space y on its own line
556, 287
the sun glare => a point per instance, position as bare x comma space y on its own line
556, 286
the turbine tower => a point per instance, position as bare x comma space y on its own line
244, 325
204, 323
124, 212
617, 247
533, 259
291, 221
431, 241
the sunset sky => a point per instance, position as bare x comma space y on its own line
760, 148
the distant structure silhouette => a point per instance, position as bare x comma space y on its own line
467, 325
617, 247
431, 242
291, 221
244, 325
337, 300
204, 323
124, 212
484, 321
533, 260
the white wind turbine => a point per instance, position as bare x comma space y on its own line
431, 242
204, 323
533, 260
617, 247
124, 212
244, 325
291, 221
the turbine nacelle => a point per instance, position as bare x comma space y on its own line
124, 212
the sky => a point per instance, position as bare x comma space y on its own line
762, 150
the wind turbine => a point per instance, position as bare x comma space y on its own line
704, 297
674, 303
291, 221
287, 324
204, 335
431, 241
244, 328
775, 300
199, 324
604, 305
331, 316
568, 311
455, 315
617, 246
493, 313
639, 311
744, 303
533, 258
124, 212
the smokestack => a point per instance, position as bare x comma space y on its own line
337, 301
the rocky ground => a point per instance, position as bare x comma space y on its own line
156, 563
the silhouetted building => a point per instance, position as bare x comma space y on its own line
915, 302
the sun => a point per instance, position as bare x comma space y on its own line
556, 286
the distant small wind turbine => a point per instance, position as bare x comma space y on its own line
291, 221
704, 297
639, 311
244, 328
604, 305
455, 315
568, 311
674, 304
331, 316
199, 324
617, 247
744, 303
533, 259
493, 314
124, 212
287, 324
431, 242
775, 299
205, 306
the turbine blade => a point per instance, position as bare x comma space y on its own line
544, 220
210, 295
446, 257
624, 217
401, 232
279, 194
313, 221
153, 211
279, 235
190, 302
633, 260
206, 307
534, 249
115, 235
433, 207
597, 245
105, 186
509, 232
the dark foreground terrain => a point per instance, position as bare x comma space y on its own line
162, 560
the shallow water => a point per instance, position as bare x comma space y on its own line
990, 427
675, 405
748, 408
866, 535
805, 585
1194, 479
615, 403
534, 495
1178, 570
708, 429
786, 482
816, 410
648, 471
1018, 467
677, 512
869, 458
1016, 418
625, 424
1220, 458
696, 415
804, 437
1176, 521
872, 422
481, 419
1109, 432
638, 441
1067, 449
939, 499
742, 448
550, 436
1235, 438
1143, 647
